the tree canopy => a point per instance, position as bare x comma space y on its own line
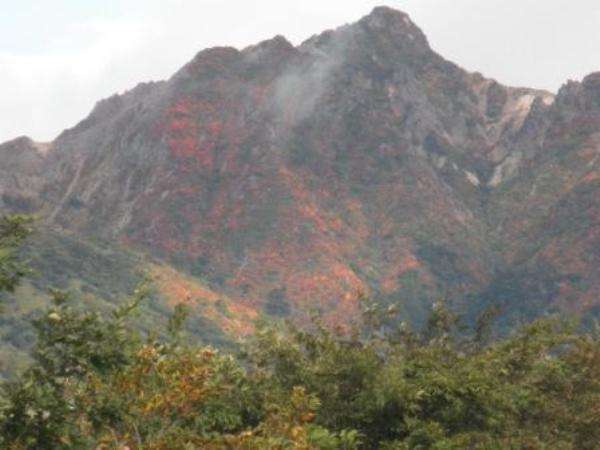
13, 231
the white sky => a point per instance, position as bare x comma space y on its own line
58, 57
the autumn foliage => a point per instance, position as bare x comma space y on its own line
96, 383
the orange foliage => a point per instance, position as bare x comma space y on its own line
235, 318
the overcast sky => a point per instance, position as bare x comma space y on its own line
58, 57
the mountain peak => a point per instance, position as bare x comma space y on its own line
592, 82
387, 11
384, 19
278, 42
269, 52
19, 142
291, 177
581, 95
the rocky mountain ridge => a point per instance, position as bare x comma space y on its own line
359, 162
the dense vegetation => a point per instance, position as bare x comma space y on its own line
96, 383
13, 230
98, 275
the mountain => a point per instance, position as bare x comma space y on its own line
287, 179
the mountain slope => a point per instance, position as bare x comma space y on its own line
100, 276
360, 162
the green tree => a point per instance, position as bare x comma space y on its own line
442, 389
13, 231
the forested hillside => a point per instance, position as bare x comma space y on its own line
285, 179
94, 382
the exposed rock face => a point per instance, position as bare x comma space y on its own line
359, 162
